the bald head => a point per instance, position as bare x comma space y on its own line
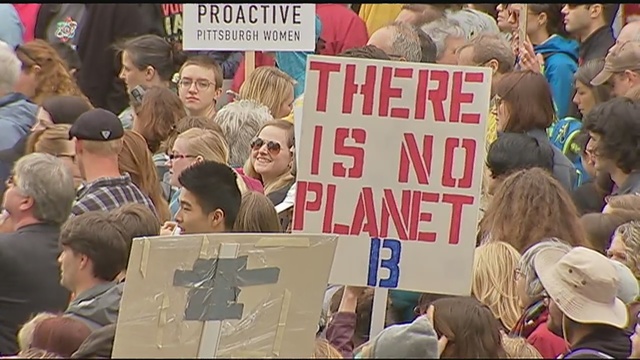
630, 32
398, 40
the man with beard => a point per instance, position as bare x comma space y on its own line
583, 308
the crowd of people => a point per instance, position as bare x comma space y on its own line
109, 132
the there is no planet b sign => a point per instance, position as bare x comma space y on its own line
249, 27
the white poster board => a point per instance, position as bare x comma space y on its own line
249, 27
393, 163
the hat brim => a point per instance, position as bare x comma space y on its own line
575, 306
601, 78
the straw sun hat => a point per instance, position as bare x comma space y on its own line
583, 283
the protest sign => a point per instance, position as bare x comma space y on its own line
249, 27
393, 163
223, 295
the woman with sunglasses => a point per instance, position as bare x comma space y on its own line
271, 159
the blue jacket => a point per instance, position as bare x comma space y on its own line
17, 116
11, 28
561, 62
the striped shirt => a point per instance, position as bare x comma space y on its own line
106, 194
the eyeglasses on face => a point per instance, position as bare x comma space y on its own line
201, 84
273, 147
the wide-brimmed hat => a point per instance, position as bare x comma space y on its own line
583, 283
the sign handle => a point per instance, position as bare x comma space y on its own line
249, 63
522, 25
211, 330
379, 311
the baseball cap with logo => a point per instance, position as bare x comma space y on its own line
583, 283
625, 56
97, 125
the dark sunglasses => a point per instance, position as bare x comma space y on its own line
272, 146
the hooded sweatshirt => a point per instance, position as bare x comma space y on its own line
561, 62
98, 306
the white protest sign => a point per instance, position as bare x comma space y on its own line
393, 163
249, 27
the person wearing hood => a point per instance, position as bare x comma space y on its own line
560, 54
94, 253
581, 286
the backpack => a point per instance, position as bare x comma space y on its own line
562, 135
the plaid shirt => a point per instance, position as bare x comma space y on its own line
107, 194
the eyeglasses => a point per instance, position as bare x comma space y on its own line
201, 84
179, 156
272, 146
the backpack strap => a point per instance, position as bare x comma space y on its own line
591, 353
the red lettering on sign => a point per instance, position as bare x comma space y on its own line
401, 209
324, 69
359, 136
351, 88
458, 97
387, 92
410, 154
451, 144
315, 150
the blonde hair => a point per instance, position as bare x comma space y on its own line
136, 160
286, 178
210, 145
324, 350
53, 140
269, 86
494, 266
519, 348
629, 233
257, 215
25, 335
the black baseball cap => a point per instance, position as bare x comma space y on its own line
97, 125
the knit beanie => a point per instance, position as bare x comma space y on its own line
415, 340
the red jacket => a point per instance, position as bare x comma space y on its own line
342, 28
533, 326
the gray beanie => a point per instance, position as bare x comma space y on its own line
414, 340
628, 284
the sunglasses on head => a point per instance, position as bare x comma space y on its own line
272, 146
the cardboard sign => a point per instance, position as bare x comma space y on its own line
226, 295
393, 163
242, 27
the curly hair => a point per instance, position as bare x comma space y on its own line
529, 206
54, 77
629, 233
615, 121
